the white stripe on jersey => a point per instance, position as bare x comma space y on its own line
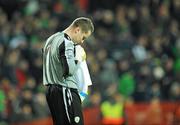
47, 68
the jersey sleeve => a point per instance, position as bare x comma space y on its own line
66, 55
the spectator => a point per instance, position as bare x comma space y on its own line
136, 42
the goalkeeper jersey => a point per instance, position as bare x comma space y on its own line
59, 63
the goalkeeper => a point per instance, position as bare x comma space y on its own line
61, 59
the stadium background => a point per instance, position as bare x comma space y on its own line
133, 58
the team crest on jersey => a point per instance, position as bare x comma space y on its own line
77, 119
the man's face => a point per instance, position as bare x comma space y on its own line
80, 36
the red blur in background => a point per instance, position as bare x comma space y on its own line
136, 114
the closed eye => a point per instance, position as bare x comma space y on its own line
83, 38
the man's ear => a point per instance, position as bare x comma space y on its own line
77, 29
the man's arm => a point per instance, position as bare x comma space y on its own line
66, 52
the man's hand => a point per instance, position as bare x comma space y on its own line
80, 53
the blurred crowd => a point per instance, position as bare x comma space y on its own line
134, 53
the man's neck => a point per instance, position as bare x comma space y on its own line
68, 32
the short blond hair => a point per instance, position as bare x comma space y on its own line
84, 23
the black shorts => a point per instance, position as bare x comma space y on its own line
65, 105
